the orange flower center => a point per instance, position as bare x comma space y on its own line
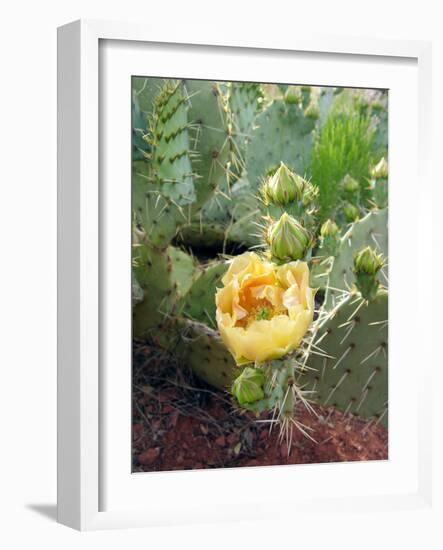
258, 308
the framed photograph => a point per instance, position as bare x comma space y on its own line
234, 220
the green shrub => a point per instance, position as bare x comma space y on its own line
343, 147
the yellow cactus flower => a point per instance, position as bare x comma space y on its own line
263, 310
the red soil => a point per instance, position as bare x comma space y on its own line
179, 424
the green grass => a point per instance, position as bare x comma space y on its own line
342, 147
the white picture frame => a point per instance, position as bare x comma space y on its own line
84, 211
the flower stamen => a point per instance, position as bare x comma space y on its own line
263, 314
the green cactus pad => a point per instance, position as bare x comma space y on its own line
245, 104
203, 351
169, 139
369, 231
184, 270
199, 302
152, 269
210, 141
320, 267
246, 214
163, 277
163, 188
354, 378
145, 90
325, 102
155, 213
291, 143
245, 232
379, 192
136, 290
140, 147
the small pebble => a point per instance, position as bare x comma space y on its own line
148, 456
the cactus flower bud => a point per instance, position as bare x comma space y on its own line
248, 387
377, 106
351, 212
329, 229
283, 187
380, 170
312, 111
350, 185
329, 238
310, 194
293, 95
288, 239
368, 261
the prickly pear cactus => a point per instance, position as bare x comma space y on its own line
169, 137
145, 90
297, 95
285, 191
198, 303
369, 231
328, 247
137, 292
156, 213
163, 188
160, 279
280, 391
246, 211
331, 266
351, 371
379, 184
291, 142
184, 270
221, 167
140, 147
207, 113
245, 99
202, 350
326, 97
282, 192
229, 127
153, 272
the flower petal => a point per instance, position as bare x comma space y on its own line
249, 280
